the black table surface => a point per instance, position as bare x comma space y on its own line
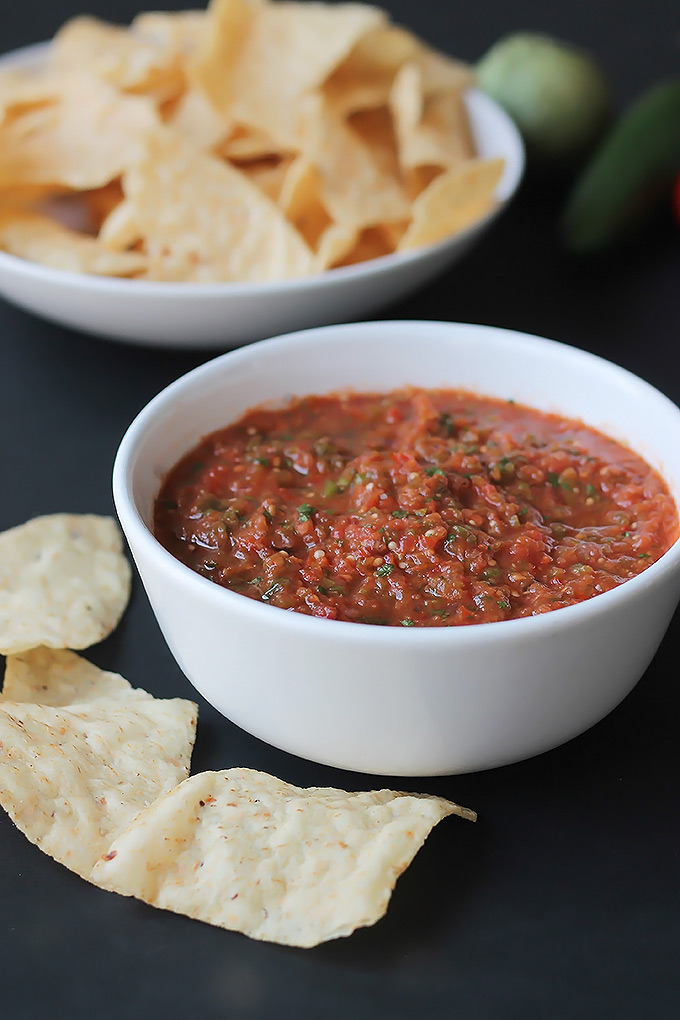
562, 901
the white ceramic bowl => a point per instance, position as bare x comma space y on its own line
414, 701
226, 314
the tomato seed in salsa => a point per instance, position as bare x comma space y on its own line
417, 508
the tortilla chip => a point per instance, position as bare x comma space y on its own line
100, 203
261, 58
453, 202
355, 188
83, 140
126, 60
376, 130
334, 245
249, 143
64, 582
195, 211
268, 174
177, 33
248, 852
198, 121
58, 678
364, 79
41, 239
431, 131
72, 776
370, 243
301, 201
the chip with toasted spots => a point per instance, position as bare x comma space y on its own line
64, 582
245, 851
82, 753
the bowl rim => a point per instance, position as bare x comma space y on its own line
384, 637
515, 166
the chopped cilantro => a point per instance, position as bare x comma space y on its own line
305, 510
446, 423
491, 573
264, 461
321, 590
407, 623
431, 471
554, 479
591, 490
399, 514
503, 604
385, 570
460, 531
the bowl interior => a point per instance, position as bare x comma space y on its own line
380, 356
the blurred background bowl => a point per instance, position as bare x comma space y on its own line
223, 315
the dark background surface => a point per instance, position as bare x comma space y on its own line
562, 901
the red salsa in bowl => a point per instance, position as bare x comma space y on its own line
419, 508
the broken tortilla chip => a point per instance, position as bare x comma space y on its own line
64, 582
245, 851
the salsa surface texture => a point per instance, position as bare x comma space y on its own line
414, 508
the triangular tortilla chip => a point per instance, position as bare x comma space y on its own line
83, 138
73, 776
246, 851
124, 58
235, 232
64, 582
260, 58
431, 131
452, 202
59, 678
37, 238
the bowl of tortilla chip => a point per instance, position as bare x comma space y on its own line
182, 183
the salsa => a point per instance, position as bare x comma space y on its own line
416, 508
